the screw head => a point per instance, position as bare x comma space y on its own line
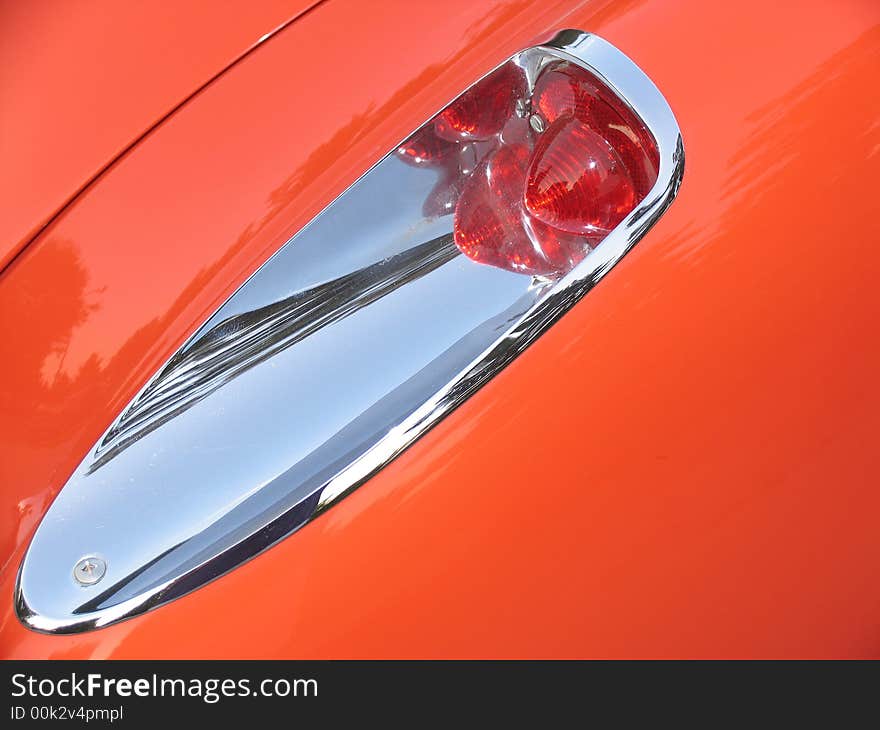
537, 123
89, 570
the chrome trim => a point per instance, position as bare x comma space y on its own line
220, 391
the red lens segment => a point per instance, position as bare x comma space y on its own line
576, 181
488, 227
483, 111
492, 228
595, 161
426, 148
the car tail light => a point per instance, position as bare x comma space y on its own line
538, 177
405, 295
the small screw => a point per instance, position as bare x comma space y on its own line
89, 571
537, 123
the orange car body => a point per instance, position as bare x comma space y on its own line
686, 464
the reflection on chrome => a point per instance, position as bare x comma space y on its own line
354, 339
245, 340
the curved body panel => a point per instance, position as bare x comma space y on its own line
81, 80
682, 466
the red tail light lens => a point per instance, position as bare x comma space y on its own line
491, 227
577, 181
596, 160
536, 176
486, 225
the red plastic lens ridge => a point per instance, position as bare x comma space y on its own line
491, 226
488, 223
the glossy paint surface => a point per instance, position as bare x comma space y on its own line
82, 79
684, 465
